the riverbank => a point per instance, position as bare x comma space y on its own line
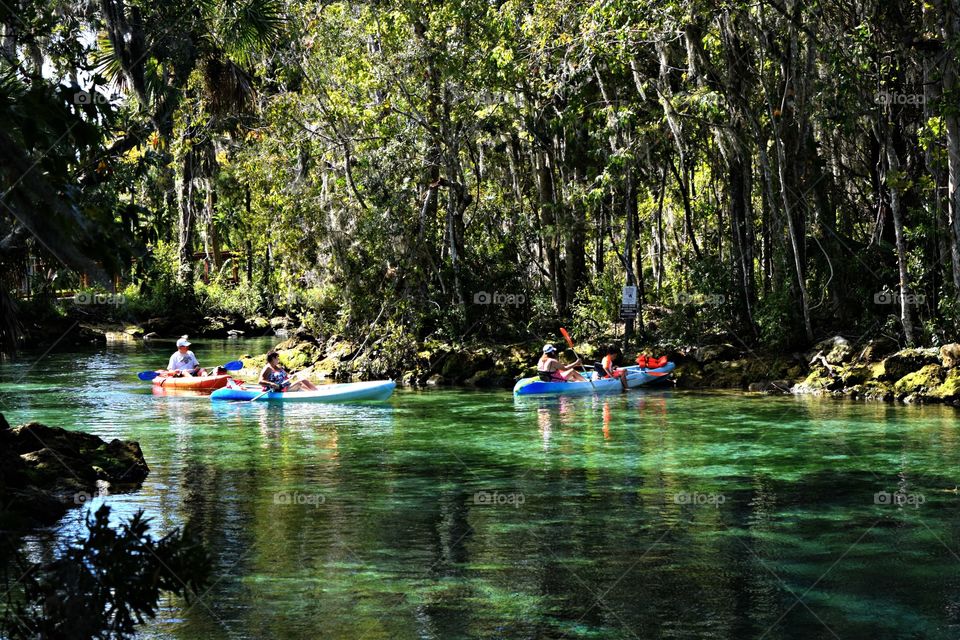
873, 370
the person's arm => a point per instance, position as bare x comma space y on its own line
194, 361
572, 365
263, 379
171, 364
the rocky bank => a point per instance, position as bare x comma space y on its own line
46, 470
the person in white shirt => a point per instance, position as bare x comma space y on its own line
183, 362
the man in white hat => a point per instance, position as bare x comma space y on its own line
183, 362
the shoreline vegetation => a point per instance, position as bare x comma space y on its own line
477, 173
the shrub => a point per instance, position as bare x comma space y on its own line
105, 585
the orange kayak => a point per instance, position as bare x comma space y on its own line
204, 383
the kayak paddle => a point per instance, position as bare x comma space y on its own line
259, 395
569, 340
233, 365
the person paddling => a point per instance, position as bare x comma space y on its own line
609, 366
274, 377
549, 366
183, 362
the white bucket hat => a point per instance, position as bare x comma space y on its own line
183, 342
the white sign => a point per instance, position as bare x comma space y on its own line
629, 297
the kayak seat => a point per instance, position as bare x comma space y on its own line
598, 368
545, 376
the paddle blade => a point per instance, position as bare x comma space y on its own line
566, 336
233, 365
147, 376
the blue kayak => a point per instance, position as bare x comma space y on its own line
346, 392
636, 377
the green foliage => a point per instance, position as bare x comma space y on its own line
778, 320
383, 164
158, 292
104, 585
597, 305
221, 297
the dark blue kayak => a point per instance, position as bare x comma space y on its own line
636, 377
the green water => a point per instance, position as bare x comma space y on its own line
462, 514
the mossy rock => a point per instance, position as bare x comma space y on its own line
725, 375
340, 351
258, 322
907, 361
713, 352
688, 375
794, 373
254, 363
855, 375
817, 381
463, 364
949, 389
877, 349
835, 350
301, 356
327, 366
919, 382
871, 390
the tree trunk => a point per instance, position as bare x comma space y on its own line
893, 178
548, 224
950, 29
186, 220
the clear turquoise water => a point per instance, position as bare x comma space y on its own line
466, 514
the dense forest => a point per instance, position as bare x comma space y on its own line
771, 172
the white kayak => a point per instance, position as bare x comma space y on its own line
345, 392
636, 377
